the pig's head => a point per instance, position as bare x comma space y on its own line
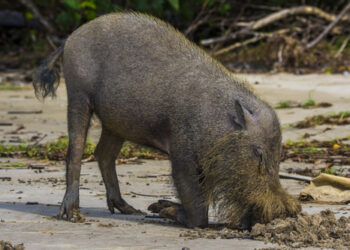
240, 171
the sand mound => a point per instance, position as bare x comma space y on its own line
318, 230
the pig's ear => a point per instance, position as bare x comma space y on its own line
238, 119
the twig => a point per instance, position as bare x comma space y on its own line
328, 28
301, 10
24, 112
264, 7
197, 21
295, 177
258, 37
37, 142
30, 5
342, 47
239, 44
52, 45
151, 195
5, 124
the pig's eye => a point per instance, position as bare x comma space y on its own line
258, 153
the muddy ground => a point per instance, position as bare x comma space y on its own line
30, 197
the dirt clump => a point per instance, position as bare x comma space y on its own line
216, 233
318, 230
4, 245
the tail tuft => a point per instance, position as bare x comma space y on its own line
47, 77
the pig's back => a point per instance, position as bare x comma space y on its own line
138, 51
143, 73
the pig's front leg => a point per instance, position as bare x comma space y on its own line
192, 212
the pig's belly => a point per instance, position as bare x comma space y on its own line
132, 124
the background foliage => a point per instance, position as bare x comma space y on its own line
198, 19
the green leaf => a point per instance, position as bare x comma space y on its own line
157, 7
103, 6
72, 4
90, 14
116, 7
140, 5
224, 8
64, 19
29, 15
76, 17
88, 4
175, 4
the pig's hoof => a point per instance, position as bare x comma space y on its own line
69, 204
123, 207
175, 213
169, 210
161, 204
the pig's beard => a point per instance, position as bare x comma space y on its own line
237, 190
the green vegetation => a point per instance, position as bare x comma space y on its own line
11, 164
310, 150
10, 87
198, 20
308, 103
332, 171
341, 118
130, 150
57, 150
283, 105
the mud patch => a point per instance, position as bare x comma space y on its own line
4, 245
318, 230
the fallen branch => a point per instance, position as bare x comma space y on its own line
152, 195
328, 28
239, 44
301, 10
258, 37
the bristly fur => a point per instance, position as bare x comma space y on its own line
47, 76
238, 188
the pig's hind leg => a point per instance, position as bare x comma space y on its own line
106, 153
79, 114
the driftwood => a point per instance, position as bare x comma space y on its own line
329, 27
252, 26
257, 37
